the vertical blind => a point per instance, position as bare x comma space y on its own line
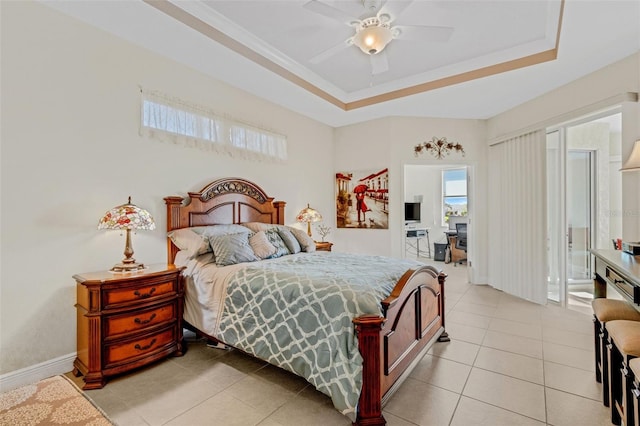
517, 216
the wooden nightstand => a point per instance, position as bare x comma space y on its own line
323, 246
127, 320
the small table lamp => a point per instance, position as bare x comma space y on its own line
127, 216
309, 215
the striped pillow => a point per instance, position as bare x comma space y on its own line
232, 248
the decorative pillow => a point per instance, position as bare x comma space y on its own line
259, 226
290, 241
214, 230
306, 242
190, 242
230, 249
274, 238
261, 245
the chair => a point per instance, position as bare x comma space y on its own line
623, 345
461, 240
604, 311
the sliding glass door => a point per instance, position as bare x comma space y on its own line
583, 189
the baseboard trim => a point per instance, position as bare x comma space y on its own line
34, 373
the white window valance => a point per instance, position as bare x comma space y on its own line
170, 119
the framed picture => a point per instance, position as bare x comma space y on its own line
362, 199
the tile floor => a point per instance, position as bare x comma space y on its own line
509, 362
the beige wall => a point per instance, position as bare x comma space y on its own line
71, 150
390, 143
589, 94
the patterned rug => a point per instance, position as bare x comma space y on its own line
53, 401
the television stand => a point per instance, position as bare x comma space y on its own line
412, 241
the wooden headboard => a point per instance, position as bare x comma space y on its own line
224, 201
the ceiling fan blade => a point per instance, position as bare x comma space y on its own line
329, 11
394, 8
424, 33
323, 56
379, 63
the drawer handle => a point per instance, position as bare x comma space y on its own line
618, 281
144, 348
145, 295
147, 321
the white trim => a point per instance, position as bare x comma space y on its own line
34, 373
552, 122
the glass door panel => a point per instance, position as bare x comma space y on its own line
556, 277
579, 215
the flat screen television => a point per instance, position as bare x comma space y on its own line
411, 212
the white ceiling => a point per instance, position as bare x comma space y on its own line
277, 39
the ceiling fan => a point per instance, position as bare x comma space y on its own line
373, 33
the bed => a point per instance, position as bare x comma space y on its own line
389, 338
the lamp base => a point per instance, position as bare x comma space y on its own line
127, 267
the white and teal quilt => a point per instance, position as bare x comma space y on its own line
296, 311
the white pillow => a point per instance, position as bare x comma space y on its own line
215, 230
259, 226
261, 245
190, 242
306, 242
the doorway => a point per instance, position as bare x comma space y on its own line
583, 188
443, 192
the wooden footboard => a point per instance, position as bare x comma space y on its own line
393, 344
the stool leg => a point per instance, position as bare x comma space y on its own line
615, 381
604, 362
597, 348
627, 386
635, 396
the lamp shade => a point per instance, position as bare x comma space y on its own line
309, 215
633, 162
373, 39
127, 216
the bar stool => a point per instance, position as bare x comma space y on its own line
623, 345
634, 366
605, 310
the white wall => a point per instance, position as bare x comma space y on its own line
390, 143
71, 151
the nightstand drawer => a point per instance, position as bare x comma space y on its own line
141, 347
117, 296
121, 324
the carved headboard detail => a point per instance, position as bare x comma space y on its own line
224, 201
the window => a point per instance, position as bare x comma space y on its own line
454, 194
173, 120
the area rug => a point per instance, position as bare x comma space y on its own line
53, 401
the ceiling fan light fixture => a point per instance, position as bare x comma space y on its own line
373, 37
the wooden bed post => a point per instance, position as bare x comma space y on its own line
444, 337
279, 205
370, 404
173, 215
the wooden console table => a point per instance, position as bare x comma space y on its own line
619, 269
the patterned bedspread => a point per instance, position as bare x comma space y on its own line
296, 313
